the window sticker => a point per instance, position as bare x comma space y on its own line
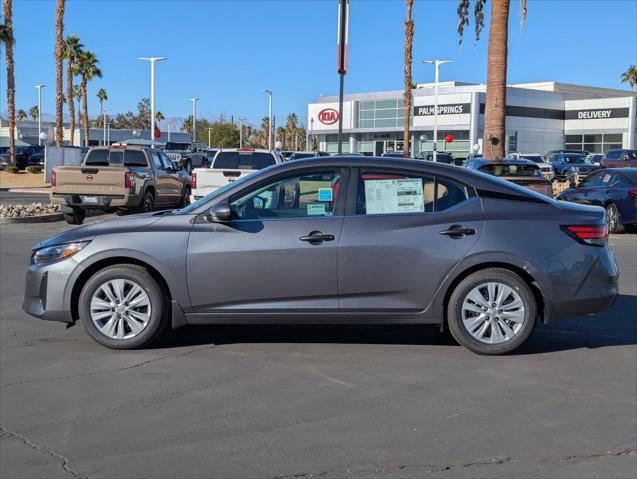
325, 194
394, 196
316, 209
606, 178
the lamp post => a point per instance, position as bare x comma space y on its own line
39, 87
194, 118
152, 61
169, 123
108, 132
209, 130
241, 120
311, 146
269, 92
437, 64
104, 119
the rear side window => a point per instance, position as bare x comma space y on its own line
381, 193
613, 154
97, 158
234, 160
135, 158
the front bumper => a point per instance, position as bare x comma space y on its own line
45, 290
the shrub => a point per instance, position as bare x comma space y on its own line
11, 169
34, 169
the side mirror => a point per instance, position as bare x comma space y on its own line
221, 212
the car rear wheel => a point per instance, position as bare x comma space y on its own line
122, 307
75, 218
612, 220
148, 203
492, 311
185, 199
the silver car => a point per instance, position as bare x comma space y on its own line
334, 240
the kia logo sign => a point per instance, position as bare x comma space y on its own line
328, 116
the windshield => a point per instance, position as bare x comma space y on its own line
511, 170
577, 159
177, 146
242, 160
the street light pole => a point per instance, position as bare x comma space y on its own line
104, 119
169, 123
209, 130
152, 61
437, 64
241, 120
194, 118
269, 92
39, 87
311, 147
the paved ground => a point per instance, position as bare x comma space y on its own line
329, 402
9, 198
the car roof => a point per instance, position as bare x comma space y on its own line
251, 150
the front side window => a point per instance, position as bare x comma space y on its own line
385, 192
156, 161
300, 196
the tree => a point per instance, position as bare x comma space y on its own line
87, 67
34, 112
6, 37
409, 38
630, 76
59, 63
159, 116
102, 97
77, 94
222, 133
495, 108
21, 115
72, 49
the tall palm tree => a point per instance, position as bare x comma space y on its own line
6, 37
102, 97
630, 76
159, 116
72, 48
87, 67
21, 115
495, 108
409, 39
34, 111
59, 64
77, 94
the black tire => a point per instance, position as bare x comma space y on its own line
454, 311
612, 220
185, 198
139, 275
75, 218
148, 203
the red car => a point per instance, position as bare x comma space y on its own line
619, 158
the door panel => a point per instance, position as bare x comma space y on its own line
263, 265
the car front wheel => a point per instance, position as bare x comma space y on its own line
122, 307
492, 311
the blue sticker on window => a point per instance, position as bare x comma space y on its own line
325, 194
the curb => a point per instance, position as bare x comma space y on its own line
8, 220
37, 191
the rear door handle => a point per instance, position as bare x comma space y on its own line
457, 231
317, 237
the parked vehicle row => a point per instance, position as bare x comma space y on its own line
189, 155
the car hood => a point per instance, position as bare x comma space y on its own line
98, 228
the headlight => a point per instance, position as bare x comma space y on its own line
56, 253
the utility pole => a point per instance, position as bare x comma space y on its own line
269, 92
341, 63
152, 61
437, 64
39, 87
194, 118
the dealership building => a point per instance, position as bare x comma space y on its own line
539, 117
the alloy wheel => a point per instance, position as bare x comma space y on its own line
120, 309
493, 313
611, 218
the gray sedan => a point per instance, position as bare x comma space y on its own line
334, 240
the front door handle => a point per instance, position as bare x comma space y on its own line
456, 231
317, 237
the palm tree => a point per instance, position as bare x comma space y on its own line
77, 94
72, 48
630, 76
409, 39
59, 64
34, 111
495, 108
102, 97
159, 116
87, 67
6, 37
186, 125
21, 115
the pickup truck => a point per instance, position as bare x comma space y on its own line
189, 155
121, 179
228, 166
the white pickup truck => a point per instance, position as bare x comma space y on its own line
228, 166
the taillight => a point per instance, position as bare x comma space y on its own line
54, 177
594, 235
129, 179
193, 180
633, 193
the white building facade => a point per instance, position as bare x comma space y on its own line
540, 117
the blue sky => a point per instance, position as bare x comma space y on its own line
226, 52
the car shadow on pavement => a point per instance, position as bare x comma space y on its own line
615, 327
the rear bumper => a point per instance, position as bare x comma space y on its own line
102, 201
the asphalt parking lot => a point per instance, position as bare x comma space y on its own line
310, 401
